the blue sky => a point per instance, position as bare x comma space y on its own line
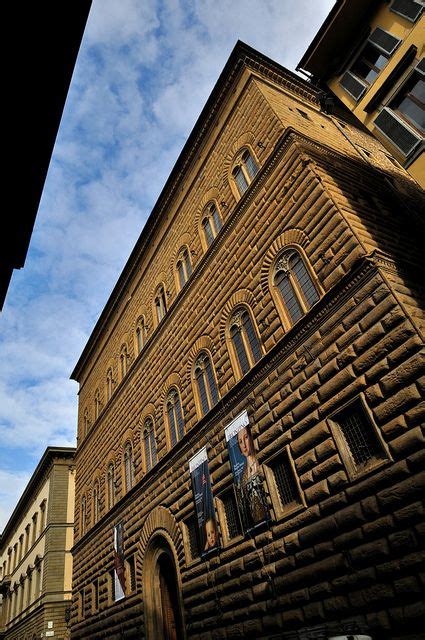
143, 74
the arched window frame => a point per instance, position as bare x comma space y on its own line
141, 334
160, 304
205, 383
211, 224
128, 459
245, 168
96, 502
149, 451
183, 269
123, 362
97, 404
174, 417
110, 484
109, 384
86, 422
300, 294
241, 320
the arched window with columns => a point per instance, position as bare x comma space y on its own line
295, 284
245, 343
149, 444
174, 416
128, 466
205, 383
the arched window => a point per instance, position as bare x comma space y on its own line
97, 404
83, 515
128, 466
141, 333
110, 483
123, 361
149, 444
206, 385
175, 416
160, 303
244, 171
245, 343
109, 383
184, 267
86, 422
297, 289
211, 223
96, 502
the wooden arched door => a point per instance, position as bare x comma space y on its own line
170, 608
162, 601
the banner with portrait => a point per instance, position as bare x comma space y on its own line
119, 566
204, 505
247, 476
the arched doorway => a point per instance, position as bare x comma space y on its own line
161, 592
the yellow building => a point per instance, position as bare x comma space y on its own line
370, 55
35, 556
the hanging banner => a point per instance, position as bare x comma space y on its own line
247, 476
119, 567
204, 505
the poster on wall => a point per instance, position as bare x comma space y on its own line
119, 567
247, 475
204, 505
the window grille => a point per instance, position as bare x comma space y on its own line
359, 434
234, 528
131, 563
286, 484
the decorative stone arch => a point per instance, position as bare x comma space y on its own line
244, 141
128, 436
160, 281
204, 342
160, 538
173, 380
241, 297
211, 195
290, 237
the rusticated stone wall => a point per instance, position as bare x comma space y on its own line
348, 554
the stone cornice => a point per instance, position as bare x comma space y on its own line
242, 57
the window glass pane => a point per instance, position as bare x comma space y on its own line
209, 236
182, 275
153, 446
172, 423
252, 336
285, 286
202, 391
179, 414
139, 334
236, 336
187, 263
240, 180
146, 445
304, 280
250, 164
211, 382
365, 71
217, 219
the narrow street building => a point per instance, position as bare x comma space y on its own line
249, 434
35, 553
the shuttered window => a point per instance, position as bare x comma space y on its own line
396, 131
369, 62
407, 8
385, 41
